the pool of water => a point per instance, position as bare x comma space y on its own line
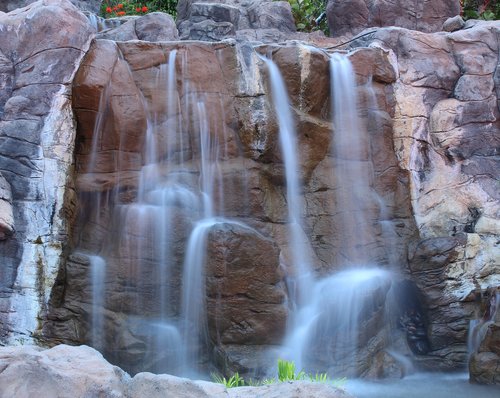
422, 385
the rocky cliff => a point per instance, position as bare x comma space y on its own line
77, 118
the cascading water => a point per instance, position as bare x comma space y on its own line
326, 329
288, 143
98, 276
160, 227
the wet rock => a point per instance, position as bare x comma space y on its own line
245, 301
425, 17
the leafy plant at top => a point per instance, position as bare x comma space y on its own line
480, 9
234, 381
117, 8
309, 15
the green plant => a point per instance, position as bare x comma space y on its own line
319, 377
117, 8
480, 9
286, 371
234, 381
309, 15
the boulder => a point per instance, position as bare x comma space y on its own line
348, 18
453, 24
84, 5
154, 26
66, 371
62, 371
256, 20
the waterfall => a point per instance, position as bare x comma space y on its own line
288, 145
327, 329
98, 279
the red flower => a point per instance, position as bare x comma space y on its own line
108, 9
121, 13
144, 9
120, 5
138, 9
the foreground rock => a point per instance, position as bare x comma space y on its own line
77, 372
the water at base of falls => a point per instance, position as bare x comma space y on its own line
345, 311
422, 385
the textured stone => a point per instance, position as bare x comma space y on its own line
6, 214
62, 371
352, 16
153, 27
42, 46
65, 371
213, 21
453, 24
84, 5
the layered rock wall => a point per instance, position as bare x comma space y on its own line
430, 101
446, 134
37, 134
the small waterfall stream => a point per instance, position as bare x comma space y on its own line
326, 328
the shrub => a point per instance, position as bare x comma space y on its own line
480, 9
309, 15
116, 8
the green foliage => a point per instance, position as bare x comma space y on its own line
481, 9
306, 12
319, 377
117, 8
234, 381
286, 371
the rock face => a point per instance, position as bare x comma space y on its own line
174, 138
84, 5
245, 299
6, 214
261, 20
66, 371
349, 17
37, 135
446, 134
